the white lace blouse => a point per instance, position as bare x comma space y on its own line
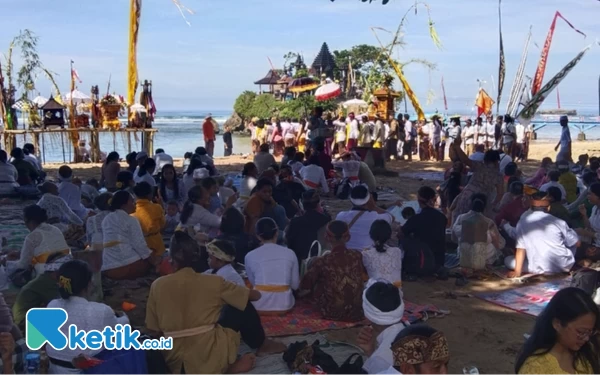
57, 208
386, 265
123, 240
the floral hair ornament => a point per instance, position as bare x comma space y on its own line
416, 350
215, 251
65, 283
119, 185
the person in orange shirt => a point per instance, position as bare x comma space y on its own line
151, 217
208, 130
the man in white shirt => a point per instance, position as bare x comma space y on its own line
519, 141
161, 160
480, 132
468, 134
353, 132
504, 161
340, 135
29, 151
409, 135
360, 218
479, 153
545, 243
490, 132
553, 176
508, 135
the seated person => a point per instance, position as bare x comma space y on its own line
42, 241
381, 261
27, 173
8, 176
261, 204
384, 308
544, 242
70, 192
83, 152
172, 219
361, 216
221, 257
311, 226
29, 152
39, 291
511, 212
420, 349
144, 172
273, 270
478, 238
195, 217
539, 178
151, 217
591, 229
366, 177
288, 192
59, 213
126, 254
226, 190
336, 279
553, 177
263, 159
74, 280
568, 180
297, 163
429, 227
313, 175
581, 165
588, 179
232, 230
408, 212
202, 342
89, 190
93, 225
211, 186
557, 208
350, 165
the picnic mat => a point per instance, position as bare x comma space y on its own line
530, 299
274, 364
306, 318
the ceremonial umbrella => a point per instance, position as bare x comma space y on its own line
357, 102
78, 97
328, 91
303, 84
137, 107
39, 101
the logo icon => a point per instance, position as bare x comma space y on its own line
43, 326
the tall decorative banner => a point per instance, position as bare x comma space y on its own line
529, 111
502, 65
444, 93
135, 12
484, 103
407, 90
541, 68
513, 99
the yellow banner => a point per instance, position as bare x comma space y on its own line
132, 72
407, 90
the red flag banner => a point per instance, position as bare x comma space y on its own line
444, 93
484, 103
541, 68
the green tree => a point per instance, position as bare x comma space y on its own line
265, 106
303, 105
244, 103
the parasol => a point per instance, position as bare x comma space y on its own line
328, 91
357, 102
21, 105
303, 84
78, 97
39, 101
137, 107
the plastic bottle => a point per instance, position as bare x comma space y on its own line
32, 363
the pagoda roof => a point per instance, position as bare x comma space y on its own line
324, 59
270, 79
52, 104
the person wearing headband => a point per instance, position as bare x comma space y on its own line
545, 244
39, 291
384, 308
74, 279
420, 349
361, 216
273, 270
564, 143
336, 279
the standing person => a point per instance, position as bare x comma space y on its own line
401, 137
340, 135
468, 135
277, 138
289, 133
208, 130
498, 133
365, 138
353, 132
490, 132
392, 140
508, 136
436, 138
227, 142
565, 141
480, 132
409, 137
564, 339
378, 133
519, 148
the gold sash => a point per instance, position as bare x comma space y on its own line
272, 288
190, 331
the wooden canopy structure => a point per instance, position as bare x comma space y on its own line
53, 113
324, 62
384, 106
270, 79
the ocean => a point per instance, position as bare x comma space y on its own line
181, 131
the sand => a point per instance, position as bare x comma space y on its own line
479, 333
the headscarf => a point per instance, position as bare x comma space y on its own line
416, 350
377, 316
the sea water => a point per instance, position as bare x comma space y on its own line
181, 131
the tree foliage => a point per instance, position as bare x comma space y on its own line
244, 103
265, 106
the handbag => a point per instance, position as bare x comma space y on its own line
309, 259
353, 366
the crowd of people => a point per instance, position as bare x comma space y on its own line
255, 248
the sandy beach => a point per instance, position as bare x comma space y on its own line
480, 333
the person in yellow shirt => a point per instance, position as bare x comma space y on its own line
568, 180
565, 337
151, 216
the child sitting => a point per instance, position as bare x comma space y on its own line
171, 221
151, 217
337, 278
384, 308
383, 262
212, 188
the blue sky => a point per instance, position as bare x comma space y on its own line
225, 50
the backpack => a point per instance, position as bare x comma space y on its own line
587, 280
418, 258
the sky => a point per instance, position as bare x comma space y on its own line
205, 66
